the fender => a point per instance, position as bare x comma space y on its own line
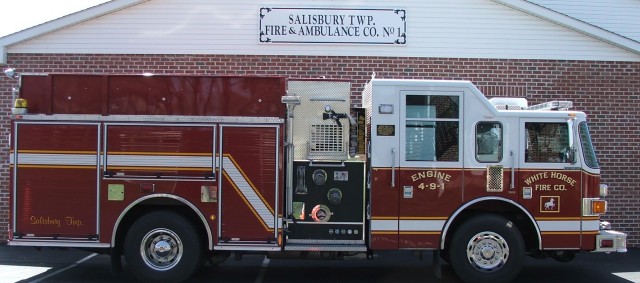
182, 200
462, 208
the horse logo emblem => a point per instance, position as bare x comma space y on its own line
549, 204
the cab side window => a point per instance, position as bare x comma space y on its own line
432, 128
547, 142
489, 142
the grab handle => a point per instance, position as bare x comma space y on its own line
393, 167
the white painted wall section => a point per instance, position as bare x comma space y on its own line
441, 28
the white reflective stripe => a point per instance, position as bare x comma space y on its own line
160, 161
568, 225
422, 225
247, 191
114, 160
384, 225
407, 225
547, 226
591, 225
57, 159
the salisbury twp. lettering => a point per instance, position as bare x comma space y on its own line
40, 220
316, 19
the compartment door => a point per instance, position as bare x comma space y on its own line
55, 181
250, 198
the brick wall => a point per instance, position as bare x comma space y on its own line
609, 92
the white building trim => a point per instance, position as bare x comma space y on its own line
573, 24
61, 23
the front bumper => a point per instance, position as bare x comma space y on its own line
610, 240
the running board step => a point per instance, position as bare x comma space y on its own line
325, 248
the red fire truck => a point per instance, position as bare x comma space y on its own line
171, 170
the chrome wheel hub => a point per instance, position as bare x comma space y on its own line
161, 249
487, 251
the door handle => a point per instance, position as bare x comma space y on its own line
393, 167
513, 170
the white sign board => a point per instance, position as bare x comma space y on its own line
318, 25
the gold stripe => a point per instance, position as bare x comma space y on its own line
561, 233
557, 218
384, 218
571, 233
384, 232
567, 218
422, 218
419, 233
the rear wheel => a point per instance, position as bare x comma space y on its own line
163, 246
487, 248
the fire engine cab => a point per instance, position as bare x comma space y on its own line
172, 170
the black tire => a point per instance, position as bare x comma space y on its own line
163, 246
487, 248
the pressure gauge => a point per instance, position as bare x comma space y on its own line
319, 177
327, 108
334, 196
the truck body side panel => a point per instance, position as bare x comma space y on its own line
56, 174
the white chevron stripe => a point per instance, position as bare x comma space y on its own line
247, 191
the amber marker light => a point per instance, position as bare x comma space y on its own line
599, 206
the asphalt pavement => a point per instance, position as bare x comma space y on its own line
26, 264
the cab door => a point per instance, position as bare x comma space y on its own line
416, 158
550, 181
430, 162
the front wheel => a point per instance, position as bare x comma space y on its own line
163, 246
487, 248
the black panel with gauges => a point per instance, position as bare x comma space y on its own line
328, 201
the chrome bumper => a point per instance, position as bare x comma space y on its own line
610, 240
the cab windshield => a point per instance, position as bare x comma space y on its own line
588, 152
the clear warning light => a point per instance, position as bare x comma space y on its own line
385, 108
